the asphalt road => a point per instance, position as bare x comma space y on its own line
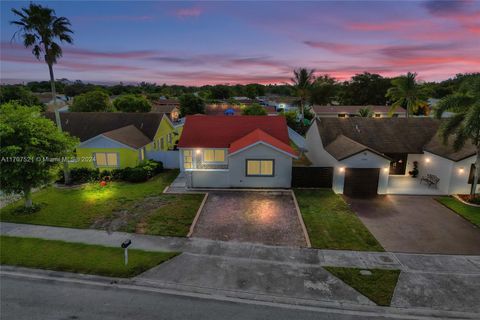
31, 299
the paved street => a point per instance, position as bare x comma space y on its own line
24, 299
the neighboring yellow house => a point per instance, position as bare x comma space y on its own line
117, 140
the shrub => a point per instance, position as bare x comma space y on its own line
83, 175
152, 167
118, 174
137, 174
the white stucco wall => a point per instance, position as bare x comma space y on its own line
364, 159
459, 176
235, 176
208, 178
282, 168
316, 153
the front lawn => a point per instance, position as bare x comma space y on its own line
331, 224
77, 257
378, 285
123, 206
470, 213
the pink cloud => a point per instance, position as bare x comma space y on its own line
387, 25
112, 18
189, 12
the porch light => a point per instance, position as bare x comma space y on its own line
342, 169
386, 170
427, 160
198, 151
461, 170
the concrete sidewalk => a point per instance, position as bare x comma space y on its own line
418, 263
433, 282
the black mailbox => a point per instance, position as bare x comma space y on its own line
126, 243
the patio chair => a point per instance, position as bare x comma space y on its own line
431, 180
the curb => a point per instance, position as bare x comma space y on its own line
302, 223
194, 223
336, 307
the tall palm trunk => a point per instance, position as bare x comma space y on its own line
66, 171
476, 173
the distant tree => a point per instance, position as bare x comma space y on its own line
364, 89
20, 94
254, 90
93, 101
33, 139
302, 82
464, 126
365, 112
254, 110
191, 104
40, 30
323, 90
78, 87
220, 92
407, 93
132, 103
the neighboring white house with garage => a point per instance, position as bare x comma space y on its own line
236, 152
374, 156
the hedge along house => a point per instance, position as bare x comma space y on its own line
236, 152
116, 140
374, 156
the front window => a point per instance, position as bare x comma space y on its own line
260, 168
162, 144
106, 159
213, 155
187, 159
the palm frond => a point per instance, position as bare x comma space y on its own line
457, 102
450, 126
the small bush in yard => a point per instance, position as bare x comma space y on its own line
152, 167
136, 174
83, 175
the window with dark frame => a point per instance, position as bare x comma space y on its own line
259, 168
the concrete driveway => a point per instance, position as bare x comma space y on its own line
250, 216
416, 224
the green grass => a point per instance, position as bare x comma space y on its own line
80, 208
378, 287
331, 224
470, 213
77, 257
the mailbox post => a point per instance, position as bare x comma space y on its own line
125, 245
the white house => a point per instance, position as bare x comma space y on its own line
375, 156
353, 111
236, 152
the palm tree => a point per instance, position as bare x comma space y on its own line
407, 93
40, 29
464, 125
365, 112
302, 81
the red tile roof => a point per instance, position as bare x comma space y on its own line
259, 135
223, 131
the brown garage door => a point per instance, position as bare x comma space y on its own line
361, 182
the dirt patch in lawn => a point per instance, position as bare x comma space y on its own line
135, 215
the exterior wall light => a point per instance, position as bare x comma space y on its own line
386, 170
198, 151
342, 169
427, 160
461, 170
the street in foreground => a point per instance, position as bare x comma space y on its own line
46, 299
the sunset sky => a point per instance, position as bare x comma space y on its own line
196, 43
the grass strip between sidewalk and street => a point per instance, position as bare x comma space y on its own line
378, 286
470, 213
331, 224
77, 257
